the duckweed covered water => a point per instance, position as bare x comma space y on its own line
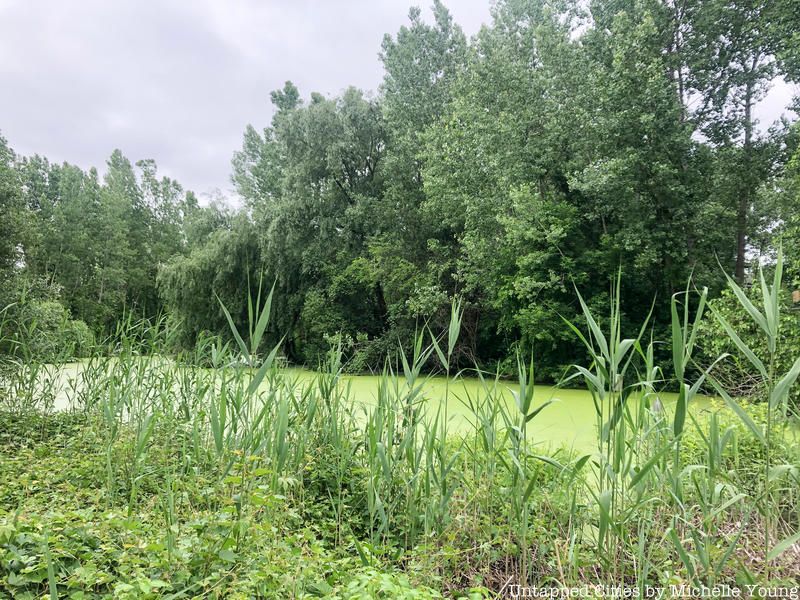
569, 422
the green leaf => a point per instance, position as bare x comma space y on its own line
51, 573
263, 320
781, 389
549, 460
444, 362
361, 553
749, 307
604, 503
740, 412
529, 490
255, 382
687, 562
227, 555
580, 463
754, 360
730, 502
783, 546
677, 341
698, 317
145, 432
645, 469
679, 420
771, 310
597, 334
537, 410
778, 471
455, 326
234, 330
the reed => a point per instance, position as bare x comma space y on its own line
397, 482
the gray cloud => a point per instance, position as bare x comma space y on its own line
178, 80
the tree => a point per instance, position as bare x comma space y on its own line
310, 180
13, 219
730, 58
566, 141
218, 268
99, 244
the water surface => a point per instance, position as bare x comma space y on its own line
570, 421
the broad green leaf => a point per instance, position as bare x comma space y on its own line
227, 555
604, 503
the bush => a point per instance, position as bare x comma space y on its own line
744, 455
43, 329
78, 338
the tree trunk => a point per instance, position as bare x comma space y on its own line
745, 197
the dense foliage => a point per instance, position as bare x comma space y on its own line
566, 140
161, 479
93, 246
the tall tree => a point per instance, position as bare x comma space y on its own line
422, 65
730, 58
13, 219
310, 180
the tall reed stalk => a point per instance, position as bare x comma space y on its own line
776, 391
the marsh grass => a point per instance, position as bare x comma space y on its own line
667, 495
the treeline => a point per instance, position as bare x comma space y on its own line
79, 253
560, 144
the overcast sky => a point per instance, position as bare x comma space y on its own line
178, 80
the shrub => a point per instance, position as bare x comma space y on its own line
46, 331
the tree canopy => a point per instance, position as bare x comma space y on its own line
565, 141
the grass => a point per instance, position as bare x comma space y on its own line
169, 480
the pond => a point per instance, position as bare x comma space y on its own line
570, 421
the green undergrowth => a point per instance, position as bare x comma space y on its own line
55, 513
201, 540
